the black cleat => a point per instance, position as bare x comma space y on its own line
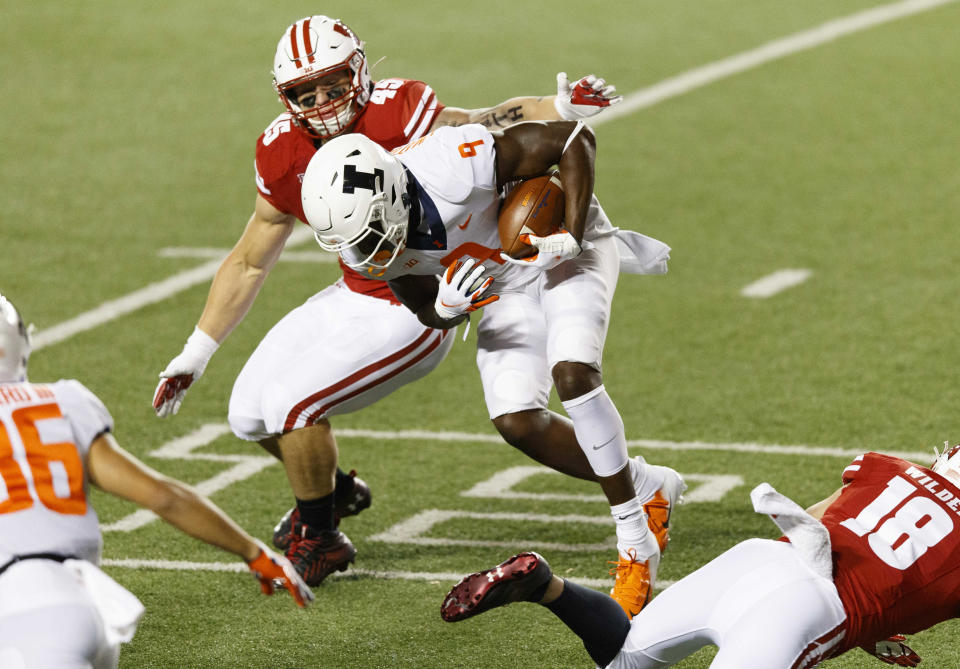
350, 504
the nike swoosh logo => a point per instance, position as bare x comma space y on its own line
597, 448
463, 226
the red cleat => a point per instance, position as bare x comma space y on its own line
511, 581
315, 555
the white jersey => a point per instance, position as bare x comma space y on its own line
457, 204
45, 435
453, 170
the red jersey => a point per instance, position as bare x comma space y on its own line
398, 112
895, 533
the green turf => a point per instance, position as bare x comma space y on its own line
129, 128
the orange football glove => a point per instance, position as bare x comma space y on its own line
275, 570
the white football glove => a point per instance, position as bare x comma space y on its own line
551, 250
457, 295
182, 371
893, 650
585, 98
275, 571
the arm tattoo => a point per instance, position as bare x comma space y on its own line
494, 120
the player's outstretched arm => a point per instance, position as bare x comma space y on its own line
581, 99
116, 471
234, 287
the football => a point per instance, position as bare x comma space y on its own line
534, 206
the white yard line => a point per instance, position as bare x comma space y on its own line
711, 488
411, 530
155, 292
240, 568
777, 282
248, 464
647, 97
244, 466
646, 444
322, 257
779, 48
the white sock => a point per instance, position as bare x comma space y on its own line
632, 531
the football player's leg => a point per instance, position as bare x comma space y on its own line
782, 614
57, 637
337, 353
511, 340
689, 615
47, 620
596, 618
576, 298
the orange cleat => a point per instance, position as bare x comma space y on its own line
634, 582
659, 506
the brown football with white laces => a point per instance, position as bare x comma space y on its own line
534, 206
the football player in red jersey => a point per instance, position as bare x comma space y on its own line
877, 559
57, 608
352, 343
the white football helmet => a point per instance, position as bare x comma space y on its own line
947, 463
14, 343
354, 195
312, 48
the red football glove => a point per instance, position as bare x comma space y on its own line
583, 99
893, 650
275, 570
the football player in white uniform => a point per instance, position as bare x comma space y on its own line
352, 343
432, 209
57, 609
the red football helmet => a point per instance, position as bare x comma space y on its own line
311, 49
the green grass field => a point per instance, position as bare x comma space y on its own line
127, 129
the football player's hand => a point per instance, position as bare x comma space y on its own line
460, 293
584, 98
893, 650
182, 371
551, 250
274, 570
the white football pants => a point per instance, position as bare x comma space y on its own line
48, 620
562, 316
757, 602
338, 352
